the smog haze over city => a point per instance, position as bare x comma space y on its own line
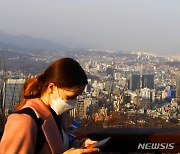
129, 50
119, 25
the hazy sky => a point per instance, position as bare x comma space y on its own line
127, 25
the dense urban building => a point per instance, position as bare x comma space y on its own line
148, 81
135, 82
178, 87
13, 92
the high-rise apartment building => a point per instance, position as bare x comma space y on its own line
148, 81
134, 83
178, 86
13, 92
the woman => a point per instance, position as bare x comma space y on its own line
49, 95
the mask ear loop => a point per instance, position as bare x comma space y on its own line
58, 93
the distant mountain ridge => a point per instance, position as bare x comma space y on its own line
26, 41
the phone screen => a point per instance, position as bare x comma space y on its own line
102, 143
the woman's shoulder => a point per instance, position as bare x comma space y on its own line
16, 118
40, 108
19, 129
20, 123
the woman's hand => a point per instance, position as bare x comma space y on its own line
89, 143
81, 151
88, 148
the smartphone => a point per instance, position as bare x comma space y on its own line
102, 143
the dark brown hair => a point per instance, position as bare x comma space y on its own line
64, 73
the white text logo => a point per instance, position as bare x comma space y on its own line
156, 146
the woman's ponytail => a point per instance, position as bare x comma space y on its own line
31, 88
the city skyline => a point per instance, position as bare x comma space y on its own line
151, 26
140, 86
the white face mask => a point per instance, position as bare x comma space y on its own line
59, 105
